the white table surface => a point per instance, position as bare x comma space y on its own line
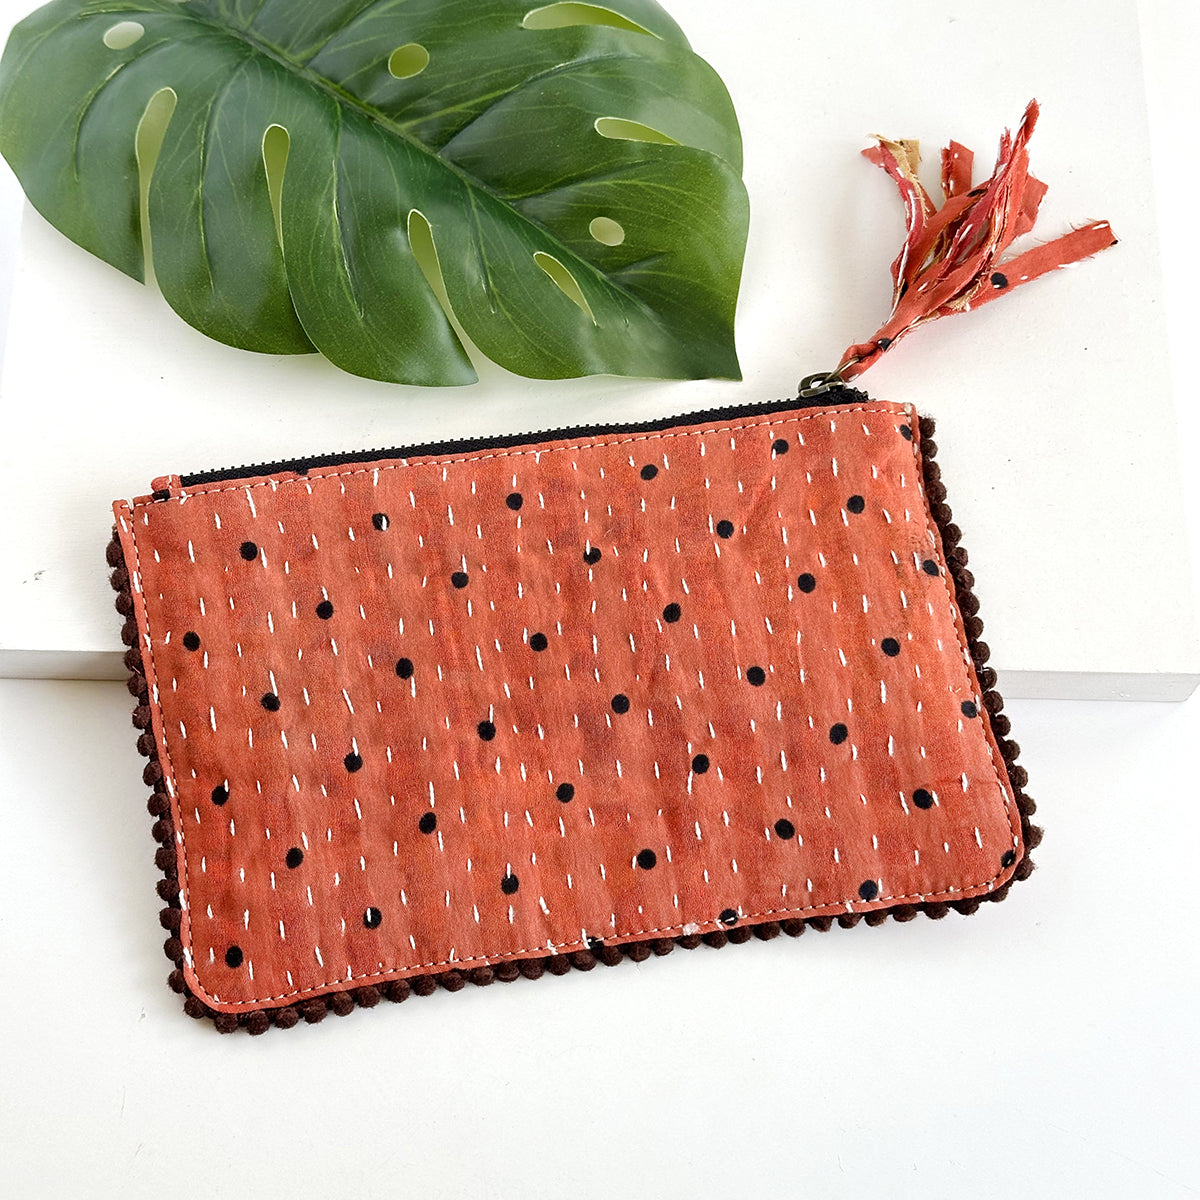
1045, 1047
1068, 493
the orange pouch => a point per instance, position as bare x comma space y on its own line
448, 714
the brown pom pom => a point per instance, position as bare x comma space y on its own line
610, 956
583, 960
314, 1011
176, 982
968, 603
662, 946
558, 964
904, 912
966, 907
451, 980
1001, 725
1024, 869
792, 926
1026, 805
638, 951
941, 514
170, 918
119, 579
689, 941
226, 1022
936, 491
1001, 893
173, 949
974, 628
740, 934
1018, 775
257, 1023
993, 702
767, 931
129, 632
821, 924
717, 938
112, 552
158, 805
951, 534
1033, 837
146, 745
980, 653
966, 581
168, 890
935, 911
876, 916
152, 773
342, 1003
927, 426
124, 604
367, 997
161, 832
398, 991
195, 1007
286, 1018
507, 972
141, 717
988, 677
481, 976
532, 968
133, 660
423, 985
928, 445
165, 860
849, 920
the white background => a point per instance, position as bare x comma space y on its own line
1045, 1047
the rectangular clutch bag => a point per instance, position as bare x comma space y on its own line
446, 714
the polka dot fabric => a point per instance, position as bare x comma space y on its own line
464, 709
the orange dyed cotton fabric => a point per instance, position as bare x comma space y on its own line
447, 710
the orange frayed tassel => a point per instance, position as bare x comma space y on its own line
951, 259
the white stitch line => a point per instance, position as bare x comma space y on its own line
953, 893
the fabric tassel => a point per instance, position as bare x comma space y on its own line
951, 260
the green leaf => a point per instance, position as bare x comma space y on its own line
573, 171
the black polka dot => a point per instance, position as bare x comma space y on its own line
838, 733
756, 676
906, 433
620, 703
595, 944
725, 529
191, 640
806, 582
514, 500
728, 916
672, 613
700, 764
1008, 858
234, 957
856, 504
890, 647
923, 798
460, 579
220, 794
270, 702
999, 280
929, 567
969, 708
868, 889
591, 555
249, 551
780, 446
646, 859
372, 918
784, 828
538, 641
295, 856
325, 610
380, 521
486, 730
509, 884
353, 762
565, 792
404, 668
649, 471
427, 823
883, 343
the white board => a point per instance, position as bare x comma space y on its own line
1056, 425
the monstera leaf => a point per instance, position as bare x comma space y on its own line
335, 174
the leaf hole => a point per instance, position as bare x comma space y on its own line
607, 231
560, 16
147, 142
276, 143
620, 130
406, 61
564, 281
123, 34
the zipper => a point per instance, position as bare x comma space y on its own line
813, 398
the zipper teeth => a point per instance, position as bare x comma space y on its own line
838, 394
